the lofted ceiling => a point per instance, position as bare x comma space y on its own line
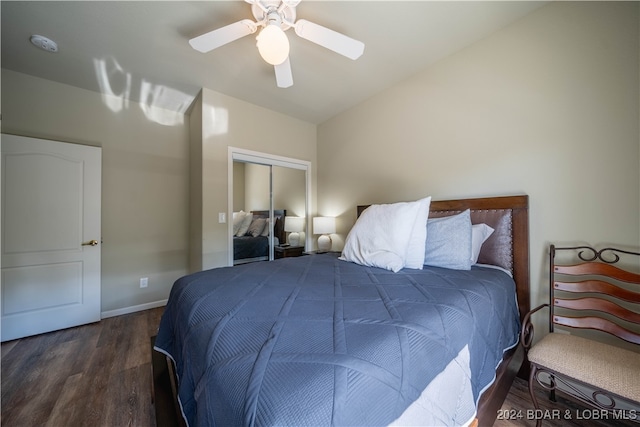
140, 50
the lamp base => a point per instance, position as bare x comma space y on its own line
294, 239
324, 243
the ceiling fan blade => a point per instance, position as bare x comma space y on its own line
330, 39
221, 36
284, 78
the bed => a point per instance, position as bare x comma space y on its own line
249, 247
317, 340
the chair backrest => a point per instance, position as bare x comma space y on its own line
595, 293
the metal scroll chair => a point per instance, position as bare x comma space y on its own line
591, 294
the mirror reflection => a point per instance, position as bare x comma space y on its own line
258, 190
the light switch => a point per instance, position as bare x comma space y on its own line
222, 217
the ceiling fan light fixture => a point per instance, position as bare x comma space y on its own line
276, 17
273, 44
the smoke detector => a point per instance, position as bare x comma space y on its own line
44, 43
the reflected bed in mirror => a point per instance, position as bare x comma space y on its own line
253, 244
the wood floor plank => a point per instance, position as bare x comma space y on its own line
65, 411
129, 401
39, 388
7, 347
88, 399
137, 348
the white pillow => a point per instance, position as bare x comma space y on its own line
415, 248
448, 243
244, 226
479, 234
267, 228
380, 237
237, 220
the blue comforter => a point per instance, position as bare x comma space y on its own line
319, 341
250, 247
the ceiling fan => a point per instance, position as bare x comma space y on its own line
276, 17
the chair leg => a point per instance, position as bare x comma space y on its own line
552, 393
532, 380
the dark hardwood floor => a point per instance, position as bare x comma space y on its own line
92, 375
100, 375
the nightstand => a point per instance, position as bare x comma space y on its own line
287, 251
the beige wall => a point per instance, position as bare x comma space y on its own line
144, 183
238, 186
251, 188
547, 106
195, 185
162, 185
289, 190
257, 191
230, 122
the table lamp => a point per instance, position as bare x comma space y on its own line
324, 225
294, 225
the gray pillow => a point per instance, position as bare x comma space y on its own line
257, 227
448, 242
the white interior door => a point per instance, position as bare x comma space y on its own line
51, 193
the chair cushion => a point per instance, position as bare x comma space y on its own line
605, 366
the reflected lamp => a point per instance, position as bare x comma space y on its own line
324, 225
294, 225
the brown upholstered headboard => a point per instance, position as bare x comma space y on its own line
508, 246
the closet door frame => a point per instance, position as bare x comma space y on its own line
249, 156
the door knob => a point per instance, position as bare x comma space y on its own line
90, 243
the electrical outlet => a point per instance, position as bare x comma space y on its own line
222, 217
144, 282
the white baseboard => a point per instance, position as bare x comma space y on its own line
133, 309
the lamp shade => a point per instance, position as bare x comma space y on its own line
293, 223
273, 44
324, 225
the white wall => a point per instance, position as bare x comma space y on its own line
547, 106
144, 185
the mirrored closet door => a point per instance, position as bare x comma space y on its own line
269, 198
